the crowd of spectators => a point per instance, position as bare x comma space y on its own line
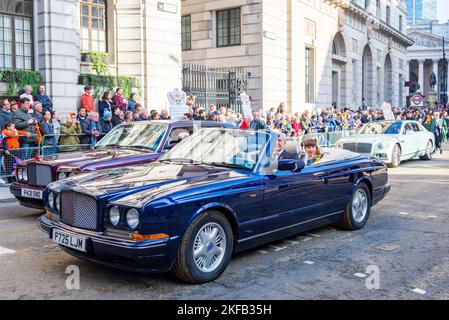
32, 121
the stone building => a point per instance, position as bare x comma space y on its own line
308, 53
142, 38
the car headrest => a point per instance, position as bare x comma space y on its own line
292, 147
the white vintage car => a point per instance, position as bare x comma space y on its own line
391, 141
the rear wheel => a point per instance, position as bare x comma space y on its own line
429, 151
205, 249
358, 210
395, 157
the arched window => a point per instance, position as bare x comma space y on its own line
93, 25
334, 47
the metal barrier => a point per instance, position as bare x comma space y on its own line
324, 139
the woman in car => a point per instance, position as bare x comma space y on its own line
312, 151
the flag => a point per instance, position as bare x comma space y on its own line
16, 161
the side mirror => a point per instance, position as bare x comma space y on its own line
291, 165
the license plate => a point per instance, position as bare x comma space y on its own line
34, 194
69, 240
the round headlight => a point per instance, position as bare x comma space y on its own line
114, 216
71, 174
132, 218
58, 202
25, 175
20, 174
51, 199
61, 175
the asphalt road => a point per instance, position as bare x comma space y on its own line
401, 254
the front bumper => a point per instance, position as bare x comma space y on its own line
144, 257
16, 191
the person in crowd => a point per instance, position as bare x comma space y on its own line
56, 125
87, 100
70, 133
94, 119
257, 123
28, 94
14, 107
25, 122
128, 116
154, 115
132, 102
119, 100
5, 112
37, 111
439, 130
136, 115
117, 116
86, 128
106, 123
164, 115
105, 103
41, 96
11, 135
48, 132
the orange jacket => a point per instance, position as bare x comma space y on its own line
87, 102
12, 137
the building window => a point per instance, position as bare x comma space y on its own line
186, 32
388, 15
228, 27
378, 13
309, 75
93, 25
16, 42
400, 23
366, 4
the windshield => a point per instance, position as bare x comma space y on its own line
134, 135
381, 128
227, 148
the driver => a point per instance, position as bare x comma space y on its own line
313, 152
279, 152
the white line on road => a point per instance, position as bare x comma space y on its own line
313, 235
5, 251
292, 242
419, 291
304, 238
432, 217
308, 262
278, 248
403, 213
360, 275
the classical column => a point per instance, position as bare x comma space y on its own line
435, 70
421, 75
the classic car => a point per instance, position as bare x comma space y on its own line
216, 193
391, 141
128, 144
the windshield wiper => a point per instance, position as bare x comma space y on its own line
180, 160
227, 165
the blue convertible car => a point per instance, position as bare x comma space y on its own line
218, 192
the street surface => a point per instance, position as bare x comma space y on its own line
406, 240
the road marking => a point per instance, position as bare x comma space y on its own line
304, 238
433, 217
332, 229
360, 275
419, 291
292, 242
278, 248
308, 262
263, 251
403, 213
313, 235
5, 251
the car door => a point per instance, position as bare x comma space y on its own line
421, 137
292, 197
408, 140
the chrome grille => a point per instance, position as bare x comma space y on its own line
79, 210
39, 175
359, 147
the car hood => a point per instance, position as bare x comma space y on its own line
89, 159
367, 138
136, 186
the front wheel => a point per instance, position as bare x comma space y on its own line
206, 248
429, 151
395, 157
358, 210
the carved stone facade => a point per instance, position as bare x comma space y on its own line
319, 52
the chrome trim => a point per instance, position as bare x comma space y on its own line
288, 227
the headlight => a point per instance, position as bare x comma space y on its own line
61, 175
58, 202
20, 174
380, 146
114, 216
25, 175
71, 174
132, 218
51, 199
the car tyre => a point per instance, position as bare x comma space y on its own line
186, 266
355, 217
429, 151
395, 157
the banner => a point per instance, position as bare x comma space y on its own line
178, 104
246, 106
388, 113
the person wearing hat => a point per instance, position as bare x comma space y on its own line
313, 153
106, 122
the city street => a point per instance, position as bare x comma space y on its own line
406, 238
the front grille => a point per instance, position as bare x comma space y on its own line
39, 175
79, 210
359, 147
